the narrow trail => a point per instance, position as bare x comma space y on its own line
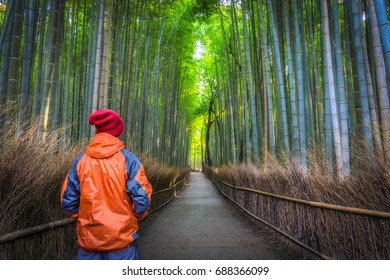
199, 224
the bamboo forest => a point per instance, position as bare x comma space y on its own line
286, 97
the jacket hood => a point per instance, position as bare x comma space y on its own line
104, 145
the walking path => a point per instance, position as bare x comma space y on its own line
199, 224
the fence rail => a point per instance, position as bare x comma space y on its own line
33, 230
172, 196
8, 237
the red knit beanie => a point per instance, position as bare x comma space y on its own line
106, 121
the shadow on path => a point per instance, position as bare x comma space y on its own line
199, 224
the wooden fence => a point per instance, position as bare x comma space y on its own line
327, 230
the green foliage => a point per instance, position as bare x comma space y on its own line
204, 9
3, 9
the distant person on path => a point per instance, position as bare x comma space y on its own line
107, 192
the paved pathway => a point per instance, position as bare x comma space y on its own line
200, 224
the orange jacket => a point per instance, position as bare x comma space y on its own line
107, 191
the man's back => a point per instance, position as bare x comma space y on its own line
107, 191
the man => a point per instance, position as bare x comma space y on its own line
107, 192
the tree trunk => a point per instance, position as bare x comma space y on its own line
104, 78
340, 85
380, 9
295, 126
6, 37
365, 123
382, 87
13, 74
280, 83
268, 89
332, 93
100, 30
48, 88
300, 86
27, 59
255, 136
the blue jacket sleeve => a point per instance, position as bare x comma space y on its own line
137, 186
70, 192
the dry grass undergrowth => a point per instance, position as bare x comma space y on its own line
336, 234
31, 174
